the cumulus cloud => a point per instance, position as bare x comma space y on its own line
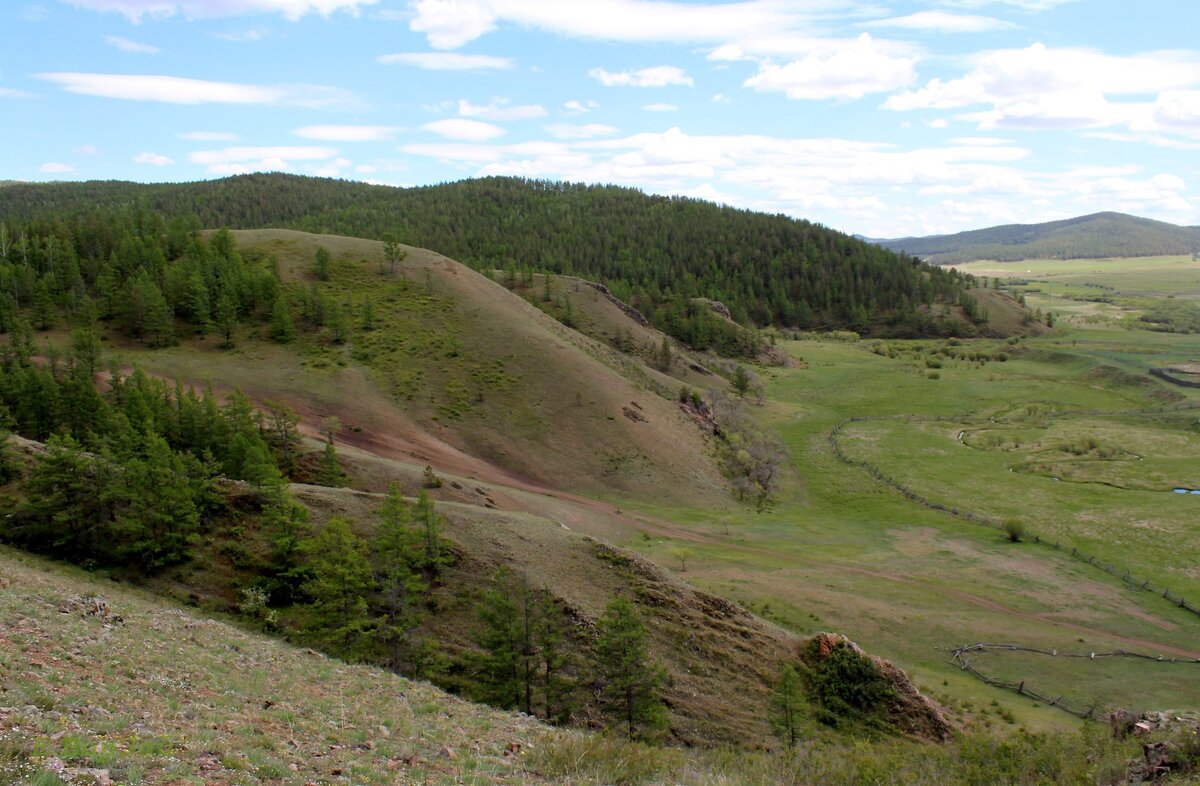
347, 133
180, 90
154, 159
846, 72
658, 76
463, 129
56, 168
447, 61
133, 47
136, 10
1063, 88
661, 108
86, 150
580, 107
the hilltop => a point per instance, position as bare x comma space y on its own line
1095, 236
657, 254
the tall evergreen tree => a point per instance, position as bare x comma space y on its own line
341, 580
630, 682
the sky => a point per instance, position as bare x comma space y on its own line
884, 118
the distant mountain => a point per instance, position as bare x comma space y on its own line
1094, 236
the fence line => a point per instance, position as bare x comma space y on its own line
1022, 687
1126, 576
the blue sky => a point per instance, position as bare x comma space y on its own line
883, 117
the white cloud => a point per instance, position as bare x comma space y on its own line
244, 36
1050, 88
499, 110
347, 133
10, 92
86, 150
658, 76
55, 168
660, 108
847, 72
584, 131
580, 107
209, 136
180, 90
1178, 108
465, 130
448, 24
882, 189
447, 61
943, 22
241, 160
135, 10
133, 47
721, 98
154, 159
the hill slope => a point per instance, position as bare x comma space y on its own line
1094, 236
655, 253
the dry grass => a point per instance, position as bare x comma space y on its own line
167, 697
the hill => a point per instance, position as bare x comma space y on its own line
1096, 236
655, 253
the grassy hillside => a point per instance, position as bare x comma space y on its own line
655, 253
457, 367
1087, 237
106, 684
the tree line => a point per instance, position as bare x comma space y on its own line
657, 253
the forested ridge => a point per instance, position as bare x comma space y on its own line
657, 253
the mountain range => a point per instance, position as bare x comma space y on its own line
1099, 235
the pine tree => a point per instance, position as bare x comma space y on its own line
505, 668
665, 357
787, 701
341, 580
430, 522
225, 316
331, 473
283, 329
395, 551
630, 683
155, 525
323, 266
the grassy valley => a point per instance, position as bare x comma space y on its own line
566, 446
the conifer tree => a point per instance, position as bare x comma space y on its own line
283, 329
787, 702
340, 581
630, 683
430, 522
395, 551
331, 473
225, 317
323, 266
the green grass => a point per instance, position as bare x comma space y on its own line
843, 552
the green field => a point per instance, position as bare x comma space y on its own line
843, 551
1159, 293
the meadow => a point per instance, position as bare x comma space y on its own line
949, 419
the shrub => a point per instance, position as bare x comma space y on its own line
933, 375
1014, 529
847, 683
